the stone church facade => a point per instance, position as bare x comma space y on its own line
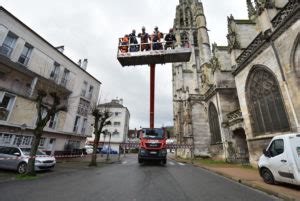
229, 101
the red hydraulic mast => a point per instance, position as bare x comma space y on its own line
152, 94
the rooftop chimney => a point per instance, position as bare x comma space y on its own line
84, 64
61, 48
79, 62
121, 101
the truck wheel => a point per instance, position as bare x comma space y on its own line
22, 168
164, 161
267, 176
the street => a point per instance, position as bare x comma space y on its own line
129, 181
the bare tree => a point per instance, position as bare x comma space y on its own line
101, 116
45, 111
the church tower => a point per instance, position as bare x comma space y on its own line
192, 79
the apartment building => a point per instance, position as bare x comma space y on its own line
28, 63
118, 130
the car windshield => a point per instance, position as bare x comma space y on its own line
26, 151
153, 133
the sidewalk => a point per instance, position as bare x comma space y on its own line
64, 166
246, 175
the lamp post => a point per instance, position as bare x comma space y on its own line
108, 148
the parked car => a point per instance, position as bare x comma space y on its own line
88, 149
16, 158
106, 149
280, 162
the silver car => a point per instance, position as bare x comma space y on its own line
16, 158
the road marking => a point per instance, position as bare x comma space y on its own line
124, 162
171, 163
181, 164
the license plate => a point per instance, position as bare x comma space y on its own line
153, 152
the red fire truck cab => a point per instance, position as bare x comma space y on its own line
153, 145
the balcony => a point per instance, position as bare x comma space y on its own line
15, 72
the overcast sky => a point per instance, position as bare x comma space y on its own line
91, 28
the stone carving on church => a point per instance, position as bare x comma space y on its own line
251, 9
215, 64
262, 4
232, 37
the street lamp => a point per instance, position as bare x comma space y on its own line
108, 151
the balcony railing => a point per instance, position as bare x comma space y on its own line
254, 45
6, 50
3, 113
234, 116
153, 52
23, 60
289, 9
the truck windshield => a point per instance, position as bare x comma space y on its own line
154, 133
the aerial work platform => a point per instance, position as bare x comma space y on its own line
158, 52
152, 53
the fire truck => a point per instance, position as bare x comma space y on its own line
153, 145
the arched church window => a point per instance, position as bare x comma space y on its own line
265, 103
181, 18
188, 17
214, 124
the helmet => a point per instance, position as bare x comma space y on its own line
133, 30
143, 28
156, 27
171, 30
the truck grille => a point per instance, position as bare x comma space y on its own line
153, 145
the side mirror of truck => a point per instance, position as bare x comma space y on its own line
266, 153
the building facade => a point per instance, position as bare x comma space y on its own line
250, 88
29, 63
118, 130
190, 116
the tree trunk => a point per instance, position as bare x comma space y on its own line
95, 147
36, 142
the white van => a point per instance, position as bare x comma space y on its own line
281, 160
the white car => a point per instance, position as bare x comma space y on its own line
89, 149
16, 158
281, 160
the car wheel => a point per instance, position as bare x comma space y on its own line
22, 168
267, 176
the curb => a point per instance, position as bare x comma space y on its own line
241, 181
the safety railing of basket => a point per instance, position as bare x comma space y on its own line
162, 44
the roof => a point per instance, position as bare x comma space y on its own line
243, 21
113, 104
287, 135
44, 40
